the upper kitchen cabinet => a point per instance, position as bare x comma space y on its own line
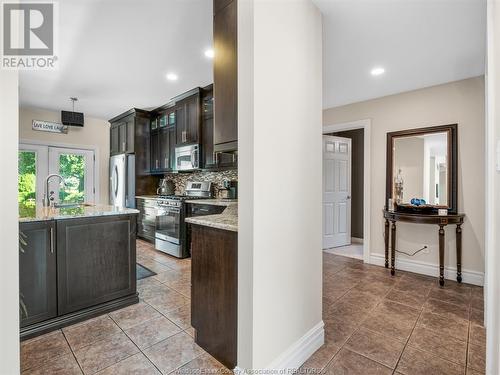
188, 117
225, 76
130, 133
163, 139
207, 128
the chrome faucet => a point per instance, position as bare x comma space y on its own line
48, 198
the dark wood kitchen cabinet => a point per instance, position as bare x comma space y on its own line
122, 136
96, 261
130, 132
163, 140
188, 117
225, 76
37, 272
207, 128
214, 291
74, 269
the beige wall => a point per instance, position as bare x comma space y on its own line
95, 133
279, 244
459, 102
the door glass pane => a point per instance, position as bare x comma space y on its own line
72, 169
26, 182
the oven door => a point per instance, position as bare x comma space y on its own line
168, 224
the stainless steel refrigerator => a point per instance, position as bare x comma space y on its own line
122, 180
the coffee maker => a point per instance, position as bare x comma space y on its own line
231, 189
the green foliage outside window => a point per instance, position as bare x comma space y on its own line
71, 168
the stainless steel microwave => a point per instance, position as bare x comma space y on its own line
187, 158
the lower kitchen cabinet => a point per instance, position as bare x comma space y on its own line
37, 272
74, 269
95, 261
214, 291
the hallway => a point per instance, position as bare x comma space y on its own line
406, 324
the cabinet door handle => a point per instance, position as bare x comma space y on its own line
184, 136
157, 163
166, 162
123, 146
216, 157
52, 240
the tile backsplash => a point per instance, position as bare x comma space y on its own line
217, 178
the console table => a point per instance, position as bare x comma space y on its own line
441, 221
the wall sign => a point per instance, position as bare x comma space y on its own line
47, 126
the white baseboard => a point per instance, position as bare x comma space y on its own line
430, 269
301, 350
356, 240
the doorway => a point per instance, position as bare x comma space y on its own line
358, 132
36, 162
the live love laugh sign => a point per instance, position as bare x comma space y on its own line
47, 126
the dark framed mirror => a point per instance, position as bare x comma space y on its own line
421, 172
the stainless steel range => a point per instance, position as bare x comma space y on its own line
170, 228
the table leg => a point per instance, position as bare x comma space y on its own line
386, 238
393, 246
441, 255
459, 253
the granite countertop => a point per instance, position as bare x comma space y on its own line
147, 197
48, 213
227, 220
214, 202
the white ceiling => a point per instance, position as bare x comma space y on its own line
420, 43
114, 55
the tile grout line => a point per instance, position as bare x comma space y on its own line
72, 352
357, 328
140, 351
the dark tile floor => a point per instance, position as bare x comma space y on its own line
406, 324
152, 337
374, 324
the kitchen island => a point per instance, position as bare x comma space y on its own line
214, 280
75, 263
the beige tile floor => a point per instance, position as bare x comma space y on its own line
152, 337
374, 324
407, 324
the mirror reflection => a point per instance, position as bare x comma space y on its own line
420, 169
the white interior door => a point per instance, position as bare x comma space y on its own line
336, 191
77, 167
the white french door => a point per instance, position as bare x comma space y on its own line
76, 166
336, 191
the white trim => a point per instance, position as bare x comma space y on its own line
301, 350
366, 125
95, 149
430, 269
491, 290
356, 240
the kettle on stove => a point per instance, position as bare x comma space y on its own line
165, 187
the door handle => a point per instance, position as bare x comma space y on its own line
52, 240
123, 146
116, 180
348, 197
166, 162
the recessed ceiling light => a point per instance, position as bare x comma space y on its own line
377, 71
209, 53
172, 77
